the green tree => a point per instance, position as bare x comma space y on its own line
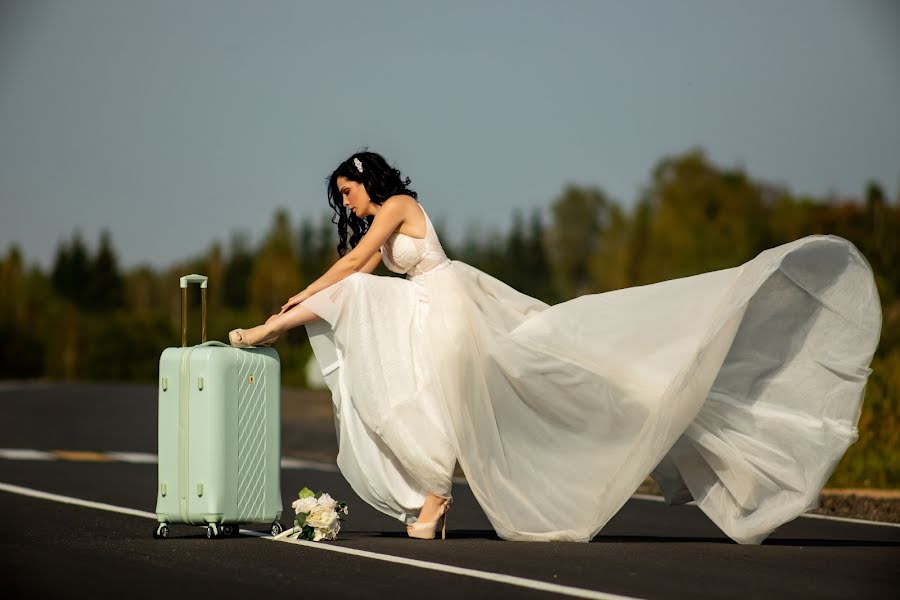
21, 343
214, 268
536, 263
608, 263
72, 271
145, 292
326, 247
514, 271
580, 217
235, 283
276, 273
702, 218
105, 285
306, 245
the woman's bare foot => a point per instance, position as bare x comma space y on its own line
430, 508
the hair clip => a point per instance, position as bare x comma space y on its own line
358, 164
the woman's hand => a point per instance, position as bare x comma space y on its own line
294, 301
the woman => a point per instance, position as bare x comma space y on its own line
739, 389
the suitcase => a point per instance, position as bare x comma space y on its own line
218, 433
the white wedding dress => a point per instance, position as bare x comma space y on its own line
740, 388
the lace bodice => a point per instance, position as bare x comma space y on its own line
403, 253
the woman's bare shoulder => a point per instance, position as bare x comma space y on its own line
402, 199
409, 208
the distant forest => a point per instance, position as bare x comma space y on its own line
89, 320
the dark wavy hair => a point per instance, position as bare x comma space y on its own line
381, 182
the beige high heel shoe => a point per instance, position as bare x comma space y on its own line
239, 343
426, 531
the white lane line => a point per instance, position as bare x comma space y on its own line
149, 458
848, 520
133, 457
487, 575
25, 454
300, 463
24, 491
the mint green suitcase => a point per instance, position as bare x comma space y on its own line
219, 433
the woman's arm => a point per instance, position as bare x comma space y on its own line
389, 218
372, 264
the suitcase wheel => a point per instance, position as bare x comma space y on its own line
212, 531
276, 528
161, 531
229, 530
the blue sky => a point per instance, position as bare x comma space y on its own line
175, 123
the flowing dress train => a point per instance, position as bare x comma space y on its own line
739, 389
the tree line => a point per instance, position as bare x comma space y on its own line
88, 319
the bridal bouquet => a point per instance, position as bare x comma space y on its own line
318, 517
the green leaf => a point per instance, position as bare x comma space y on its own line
301, 519
306, 492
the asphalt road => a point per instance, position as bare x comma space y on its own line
55, 445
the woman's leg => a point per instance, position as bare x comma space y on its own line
278, 324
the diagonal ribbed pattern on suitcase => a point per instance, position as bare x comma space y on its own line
252, 436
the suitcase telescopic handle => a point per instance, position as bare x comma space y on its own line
188, 279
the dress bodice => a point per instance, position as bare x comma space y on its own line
403, 253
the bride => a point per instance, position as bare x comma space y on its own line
739, 389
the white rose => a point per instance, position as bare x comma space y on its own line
304, 505
321, 517
327, 501
333, 530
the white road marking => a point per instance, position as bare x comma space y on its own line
300, 463
313, 465
134, 457
25, 454
422, 564
488, 575
848, 520
24, 491
149, 458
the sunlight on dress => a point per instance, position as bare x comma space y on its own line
739, 389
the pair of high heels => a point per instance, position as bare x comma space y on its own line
426, 531
239, 343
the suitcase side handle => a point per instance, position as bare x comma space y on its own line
188, 279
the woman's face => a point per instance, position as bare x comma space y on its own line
354, 196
